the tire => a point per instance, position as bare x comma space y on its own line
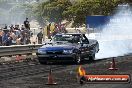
78, 59
92, 57
42, 61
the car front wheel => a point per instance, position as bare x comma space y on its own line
41, 61
78, 59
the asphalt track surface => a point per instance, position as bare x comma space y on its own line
30, 74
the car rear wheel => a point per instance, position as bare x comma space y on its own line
92, 57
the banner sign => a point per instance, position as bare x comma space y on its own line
97, 21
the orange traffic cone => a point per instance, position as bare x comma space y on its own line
50, 79
113, 67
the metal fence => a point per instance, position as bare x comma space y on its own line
18, 49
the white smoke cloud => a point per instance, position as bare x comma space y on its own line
12, 12
116, 37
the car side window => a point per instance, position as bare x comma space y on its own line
85, 40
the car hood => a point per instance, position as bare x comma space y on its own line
55, 46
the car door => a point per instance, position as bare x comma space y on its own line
84, 47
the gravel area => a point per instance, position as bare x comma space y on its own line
67, 78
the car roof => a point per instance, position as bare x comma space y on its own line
69, 34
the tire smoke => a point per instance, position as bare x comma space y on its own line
116, 37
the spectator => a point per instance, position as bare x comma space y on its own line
17, 32
4, 38
11, 27
5, 26
27, 28
18, 40
7, 39
16, 35
22, 28
55, 31
26, 24
13, 36
1, 34
16, 27
63, 29
48, 31
40, 36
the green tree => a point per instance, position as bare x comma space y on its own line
80, 10
76, 10
52, 10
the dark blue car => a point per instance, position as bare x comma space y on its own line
68, 47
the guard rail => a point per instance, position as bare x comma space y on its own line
18, 49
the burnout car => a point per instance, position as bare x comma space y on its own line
68, 47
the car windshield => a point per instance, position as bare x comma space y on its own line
68, 38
